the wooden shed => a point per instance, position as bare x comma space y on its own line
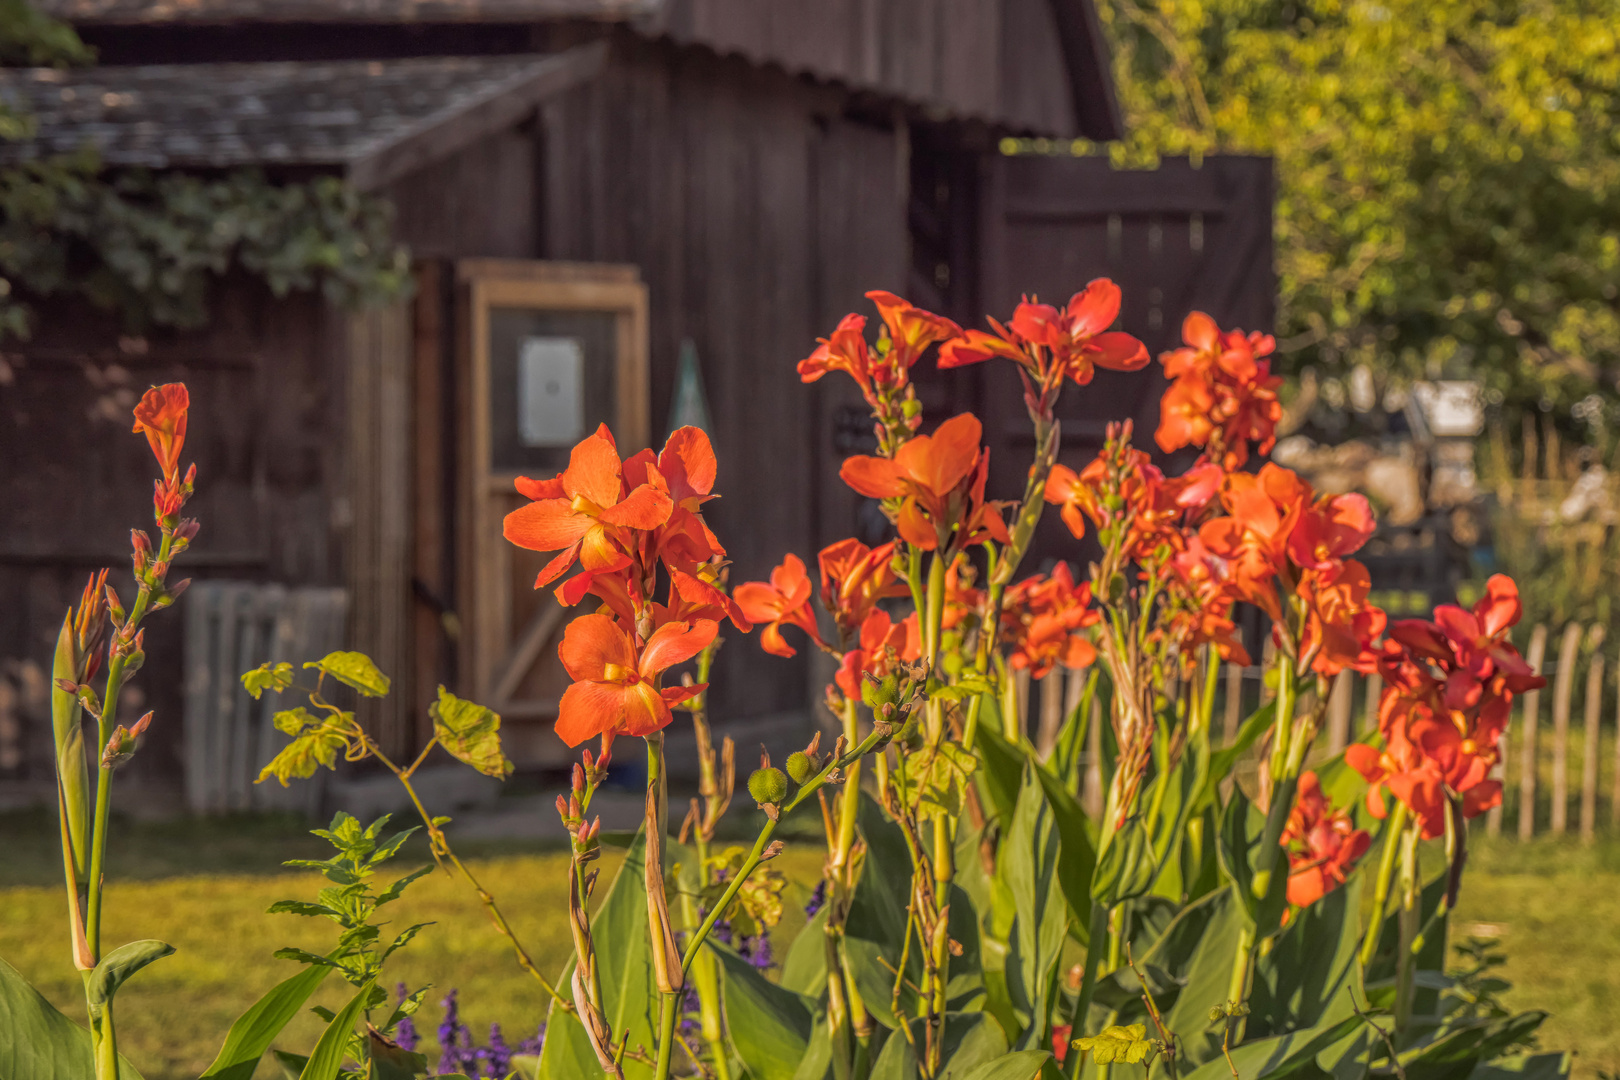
591, 190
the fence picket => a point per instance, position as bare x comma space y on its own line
1052, 688
1568, 653
1234, 702
1589, 756
1527, 762
1338, 728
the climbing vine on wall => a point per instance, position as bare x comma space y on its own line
147, 245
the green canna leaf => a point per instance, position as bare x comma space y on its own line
770, 1025
250, 1036
327, 1058
117, 966
37, 1041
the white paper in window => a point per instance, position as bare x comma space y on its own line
551, 391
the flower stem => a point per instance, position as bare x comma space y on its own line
1386, 871
1095, 943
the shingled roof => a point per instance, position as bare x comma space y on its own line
374, 120
967, 59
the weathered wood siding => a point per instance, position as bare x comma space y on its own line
758, 215
266, 431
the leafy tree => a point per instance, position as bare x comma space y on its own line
1448, 175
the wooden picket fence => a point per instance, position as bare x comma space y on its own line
1537, 760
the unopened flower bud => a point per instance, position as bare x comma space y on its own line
768, 786
800, 767
186, 531
562, 808
579, 779
772, 850
114, 608
191, 476
141, 547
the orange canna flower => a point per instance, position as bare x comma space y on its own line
785, 600
1224, 396
845, 350
1322, 844
883, 643
1340, 626
1041, 621
1262, 509
589, 509
940, 481
854, 578
1052, 344
161, 416
911, 329
615, 690
1330, 529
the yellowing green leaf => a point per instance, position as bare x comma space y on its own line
1122, 1043
353, 669
301, 757
275, 677
471, 732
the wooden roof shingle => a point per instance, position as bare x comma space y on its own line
374, 120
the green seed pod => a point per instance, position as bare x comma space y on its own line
800, 767
768, 786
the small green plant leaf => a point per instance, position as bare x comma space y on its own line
1123, 1043
353, 669
301, 757
294, 721
117, 966
255, 1029
276, 677
471, 732
329, 1053
37, 1041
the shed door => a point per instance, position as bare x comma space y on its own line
1175, 239
551, 350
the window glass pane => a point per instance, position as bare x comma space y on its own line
551, 382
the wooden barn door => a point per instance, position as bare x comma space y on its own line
1175, 239
549, 351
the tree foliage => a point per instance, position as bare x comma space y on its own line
1449, 173
147, 245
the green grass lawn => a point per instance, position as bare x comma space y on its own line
1555, 908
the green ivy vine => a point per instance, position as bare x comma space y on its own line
148, 244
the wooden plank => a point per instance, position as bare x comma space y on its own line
1021, 683
1234, 703
1564, 686
1092, 796
1052, 688
1339, 711
541, 629
1527, 756
1593, 720
380, 363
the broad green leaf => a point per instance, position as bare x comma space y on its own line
1304, 977
938, 778
624, 966
471, 733
769, 1026
39, 1043
1003, 764
353, 669
275, 677
1077, 852
1029, 862
327, 1057
527, 1066
117, 966
1221, 761
804, 971
255, 1029
970, 1040
1280, 1055
1206, 971
1023, 1065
